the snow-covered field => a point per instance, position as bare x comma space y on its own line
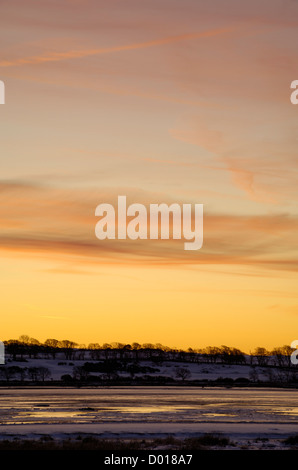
199, 371
241, 436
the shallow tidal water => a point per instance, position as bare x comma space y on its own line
147, 405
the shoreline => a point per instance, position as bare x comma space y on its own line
198, 436
210, 385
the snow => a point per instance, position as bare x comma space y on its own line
250, 417
199, 371
241, 435
141, 430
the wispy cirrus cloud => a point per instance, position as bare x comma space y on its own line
78, 54
60, 224
257, 151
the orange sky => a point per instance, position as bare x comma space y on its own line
161, 101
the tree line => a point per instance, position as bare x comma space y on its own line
26, 346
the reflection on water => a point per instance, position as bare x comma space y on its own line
288, 411
147, 404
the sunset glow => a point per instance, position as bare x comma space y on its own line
175, 102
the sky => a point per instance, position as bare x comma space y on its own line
164, 102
